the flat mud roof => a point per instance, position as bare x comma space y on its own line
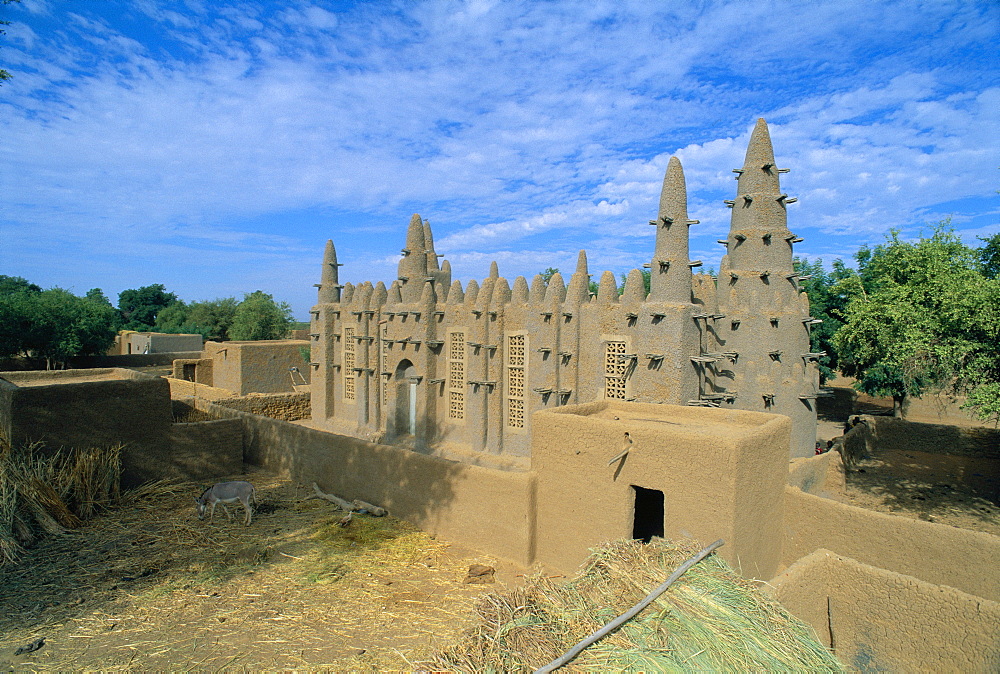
33, 378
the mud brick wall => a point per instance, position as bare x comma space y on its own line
84, 408
891, 433
281, 406
202, 450
180, 388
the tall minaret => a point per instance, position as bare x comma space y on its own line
440, 272
322, 333
329, 285
670, 273
766, 325
413, 269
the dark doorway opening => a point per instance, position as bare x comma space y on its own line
648, 519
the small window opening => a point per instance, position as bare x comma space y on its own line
648, 519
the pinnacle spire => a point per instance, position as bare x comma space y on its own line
455, 294
759, 173
501, 293
413, 267
635, 287
520, 291
328, 289
759, 240
607, 291
380, 295
555, 292
670, 275
432, 259
579, 283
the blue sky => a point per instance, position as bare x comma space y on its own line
215, 146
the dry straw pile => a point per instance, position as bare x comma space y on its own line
711, 619
45, 492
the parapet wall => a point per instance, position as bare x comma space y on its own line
202, 450
282, 406
936, 553
84, 408
972, 441
103, 407
133, 360
179, 388
822, 475
878, 620
486, 509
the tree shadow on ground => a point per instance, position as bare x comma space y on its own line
956, 490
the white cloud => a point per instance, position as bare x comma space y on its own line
520, 129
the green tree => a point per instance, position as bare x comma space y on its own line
826, 302
140, 306
921, 317
53, 324
97, 295
211, 318
214, 316
13, 284
173, 318
989, 256
258, 316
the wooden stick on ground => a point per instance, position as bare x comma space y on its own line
336, 500
371, 509
357, 506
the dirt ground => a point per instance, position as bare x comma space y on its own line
959, 491
953, 490
150, 587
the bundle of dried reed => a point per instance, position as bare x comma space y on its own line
50, 492
711, 619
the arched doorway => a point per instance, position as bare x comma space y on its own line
405, 417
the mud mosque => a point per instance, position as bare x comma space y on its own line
427, 363
534, 422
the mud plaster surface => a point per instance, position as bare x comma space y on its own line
42, 380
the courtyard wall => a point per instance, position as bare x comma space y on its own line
936, 553
878, 620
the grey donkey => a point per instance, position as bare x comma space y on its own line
227, 492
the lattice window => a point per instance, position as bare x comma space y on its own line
456, 347
456, 375
456, 405
615, 370
516, 364
348, 366
515, 413
385, 365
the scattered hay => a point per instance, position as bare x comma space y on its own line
147, 586
368, 545
711, 619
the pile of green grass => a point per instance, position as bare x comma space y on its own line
711, 619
